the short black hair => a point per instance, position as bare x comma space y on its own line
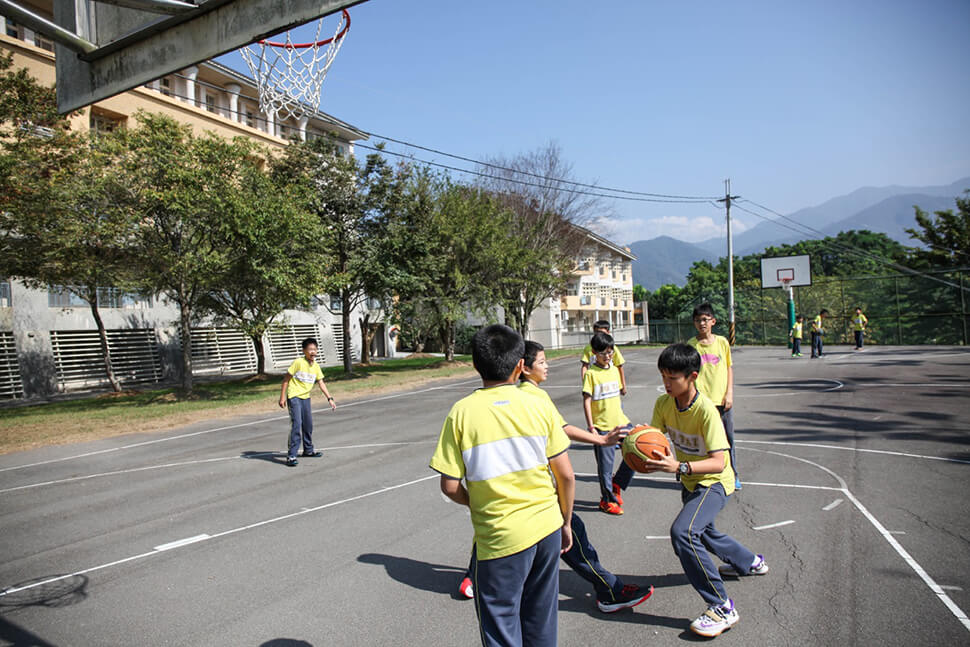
308, 341
703, 309
602, 323
601, 341
679, 358
823, 311
797, 317
496, 350
532, 350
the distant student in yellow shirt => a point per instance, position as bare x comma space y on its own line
818, 331
716, 377
604, 326
795, 336
859, 323
604, 413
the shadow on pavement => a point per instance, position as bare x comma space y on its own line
286, 642
61, 593
436, 578
11, 634
270, 457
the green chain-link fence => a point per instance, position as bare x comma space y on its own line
902, 309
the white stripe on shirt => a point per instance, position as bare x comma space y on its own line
505, 456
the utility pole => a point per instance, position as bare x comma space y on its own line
730, 251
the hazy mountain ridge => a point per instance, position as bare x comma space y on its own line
888, 210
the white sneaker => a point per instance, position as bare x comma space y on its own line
760, 567
716, 620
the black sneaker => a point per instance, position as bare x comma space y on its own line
629, 596
312, 455
291, 462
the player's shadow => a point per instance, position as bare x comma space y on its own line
270, 457
436, 578
286, 642
51, 591
11, 634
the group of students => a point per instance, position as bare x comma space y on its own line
502, 452
859, 322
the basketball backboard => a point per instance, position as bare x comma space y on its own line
109, 46
796, 270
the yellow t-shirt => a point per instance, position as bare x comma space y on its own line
500, 439
588, 356
305, 375
695, 433
528, 387
603, 386
817, 324
859, 322
712, 380
796, 331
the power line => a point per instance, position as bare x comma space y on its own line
846, 248
524, 182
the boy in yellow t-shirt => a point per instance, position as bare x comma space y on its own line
795, 336
716, 377
859, 323
818, 330
604, 326
504, 442
703, 467
300, 377
604, 413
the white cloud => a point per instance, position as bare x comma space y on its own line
687, 228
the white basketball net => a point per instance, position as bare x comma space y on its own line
289, 77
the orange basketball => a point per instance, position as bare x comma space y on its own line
641, 444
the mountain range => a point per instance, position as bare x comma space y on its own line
887, 209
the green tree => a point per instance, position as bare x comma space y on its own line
640, 293
946, 235
184, 192
277, 260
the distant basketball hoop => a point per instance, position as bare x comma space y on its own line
289, 76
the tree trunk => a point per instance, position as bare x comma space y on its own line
105, 351
448, 341
365, 339
185, 326
260, 354
345, 320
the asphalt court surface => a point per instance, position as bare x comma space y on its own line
855, 469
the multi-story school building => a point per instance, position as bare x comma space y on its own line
600, 287
48, 339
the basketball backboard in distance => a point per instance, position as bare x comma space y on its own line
797, 270
135, 46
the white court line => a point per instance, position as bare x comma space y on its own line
933, 586
181, 542
201, 538
195, 462
832, 505
657, 537
227, 427
805, 382
787, 522
853, 449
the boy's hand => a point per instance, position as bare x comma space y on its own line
567, 538
282, 402
623, 390
333, 405
614, 437
728, 401
664, 463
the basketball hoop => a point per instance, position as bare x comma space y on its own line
786, 286
289, 76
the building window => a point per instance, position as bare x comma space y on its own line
102, 123
210, 102
4, 293
602, 301
60, 297
336, 304
250, 118
165, 86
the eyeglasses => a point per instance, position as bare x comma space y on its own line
703, 320
605, 353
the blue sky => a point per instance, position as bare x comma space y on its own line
795, 102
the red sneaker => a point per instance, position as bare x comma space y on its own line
610, 508
466, 588
618, 493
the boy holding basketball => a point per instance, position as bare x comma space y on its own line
612, 594
818, 330
703, 466
504, 443
716, 378
300, 377
602, 387
795, 336
603, 326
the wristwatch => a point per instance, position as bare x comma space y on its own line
684, 469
